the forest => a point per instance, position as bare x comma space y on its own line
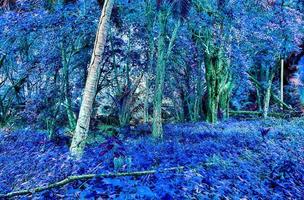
152, 99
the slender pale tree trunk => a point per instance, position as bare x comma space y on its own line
267, 94
267, 99
82, 127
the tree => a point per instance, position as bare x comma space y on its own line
150, 21
83, 122
213, 36
180, 9
278, 35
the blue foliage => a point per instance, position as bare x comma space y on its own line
229, 160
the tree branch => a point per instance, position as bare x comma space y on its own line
85, 177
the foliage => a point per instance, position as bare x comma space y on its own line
44, 53
195, 58
37, 45
229, 160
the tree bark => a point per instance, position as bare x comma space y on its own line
218, 86
267, 96
157, 129
162, 58
211, 86
82, 127
150, 54
198, 95
66, 88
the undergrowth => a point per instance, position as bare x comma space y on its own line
231, 160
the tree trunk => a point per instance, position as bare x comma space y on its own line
225, 88
66, 88
199, 93
146, 103
267, 96
163, 56
211, 86
150, 55
224, 103
160, 73
266, 100
82, 127
218, 86
185, 107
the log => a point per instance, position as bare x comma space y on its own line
85, 177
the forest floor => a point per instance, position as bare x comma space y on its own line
230, 160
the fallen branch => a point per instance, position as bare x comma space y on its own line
272, 114
85, 177
259, 113
244, 112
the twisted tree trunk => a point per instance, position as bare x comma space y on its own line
82, 127
218, 86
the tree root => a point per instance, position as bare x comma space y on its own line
85, 177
